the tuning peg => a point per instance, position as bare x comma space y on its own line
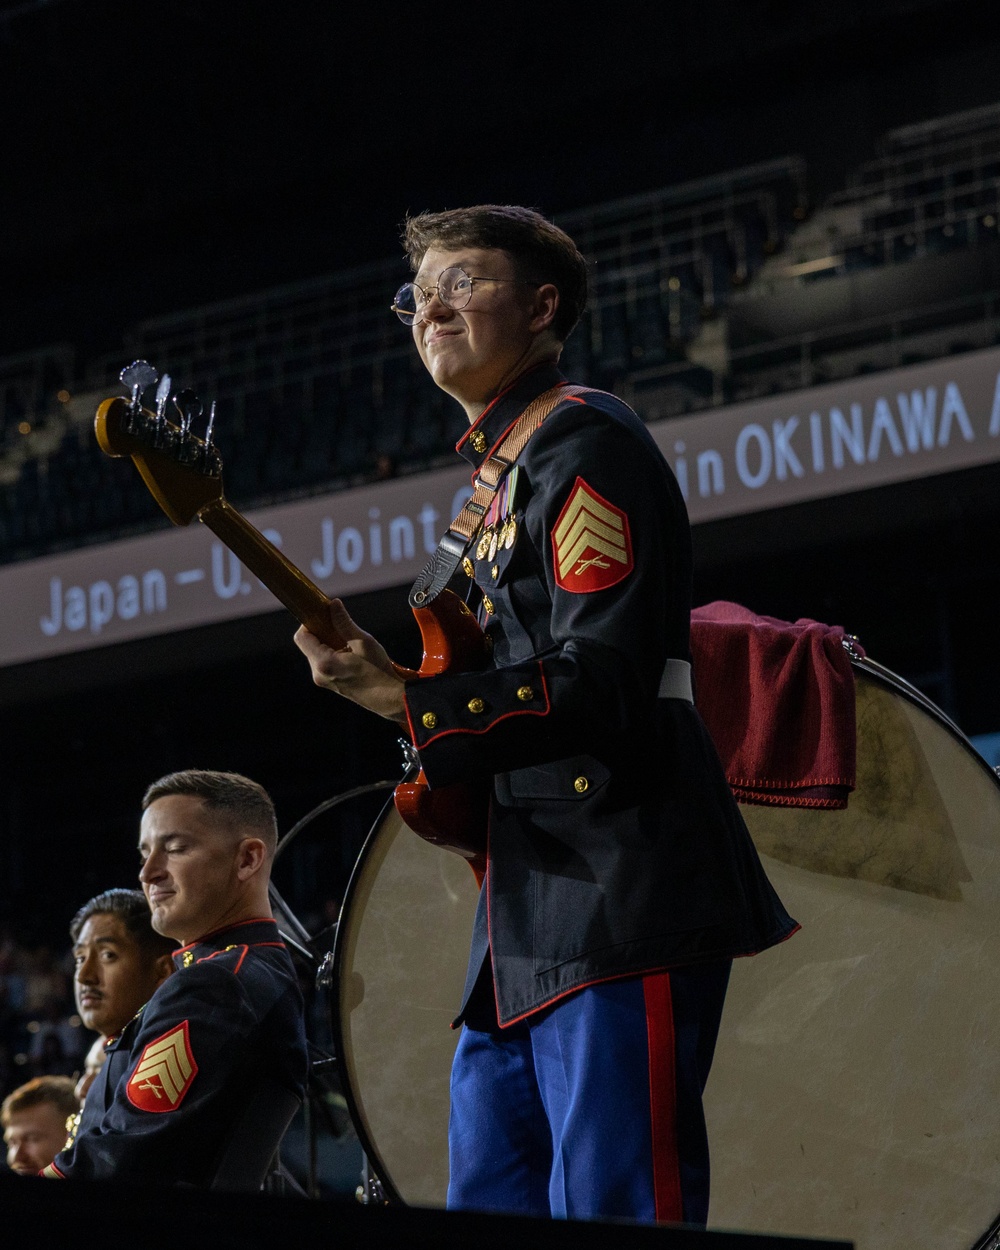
189, 406
162, 395
136, 377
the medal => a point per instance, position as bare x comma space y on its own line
483, 545
493, 545
510, 533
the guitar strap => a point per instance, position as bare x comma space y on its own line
441, 567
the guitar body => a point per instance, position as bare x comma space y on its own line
455, 816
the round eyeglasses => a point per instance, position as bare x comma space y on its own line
454, 288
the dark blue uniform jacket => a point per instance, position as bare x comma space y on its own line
615, 845
178, 1076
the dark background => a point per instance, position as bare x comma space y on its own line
158, 156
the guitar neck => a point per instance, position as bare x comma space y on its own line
302, 597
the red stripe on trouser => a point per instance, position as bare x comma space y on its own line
663, 1096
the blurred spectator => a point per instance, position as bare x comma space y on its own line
34, 1119
92, 1064
56, 1041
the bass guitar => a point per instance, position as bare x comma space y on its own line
184, 475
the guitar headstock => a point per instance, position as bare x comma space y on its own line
183, 472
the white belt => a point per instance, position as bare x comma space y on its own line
676, 681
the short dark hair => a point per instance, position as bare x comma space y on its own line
131, 908
242, 802
540, 250
58, 1090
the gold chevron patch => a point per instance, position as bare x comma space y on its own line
591, 542
164, 1073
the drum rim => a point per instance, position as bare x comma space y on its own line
392, 1194
892, 681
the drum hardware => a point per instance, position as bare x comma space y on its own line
370, 1191
324, 973
326, 806
851, 643
410, 757
991, 1241
325, 1101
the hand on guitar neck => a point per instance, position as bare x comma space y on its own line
184, 475
361, 671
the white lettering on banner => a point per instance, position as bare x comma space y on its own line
711, 478
917, 416
995, 413
402, 539
76, 608
128, 597
760, 456
375, 537
323, 567
785, 458
841, 436
816, 438
227, 573
754, 480
345, 550
953, 407
350, 549
681, 468
883, 424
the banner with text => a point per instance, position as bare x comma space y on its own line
830, 440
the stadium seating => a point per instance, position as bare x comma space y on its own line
704, 293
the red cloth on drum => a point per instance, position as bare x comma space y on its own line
778, 700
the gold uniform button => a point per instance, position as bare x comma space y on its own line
468, 568
428, 720
478, 441
476, 705
495, 572
525, 694
581, 785
488, 605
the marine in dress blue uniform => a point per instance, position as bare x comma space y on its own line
178, 1076
621, 880
621, 877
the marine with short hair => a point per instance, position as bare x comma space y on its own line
621, 879
225, 1032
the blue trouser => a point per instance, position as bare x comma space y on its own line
591, 1109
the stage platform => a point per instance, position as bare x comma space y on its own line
62, 1213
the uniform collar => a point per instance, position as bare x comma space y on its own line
492, 424
246, 933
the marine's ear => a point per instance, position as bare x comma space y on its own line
163, 966
545, 306
250, 857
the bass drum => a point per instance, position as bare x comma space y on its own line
856, 1078
856, 1081
399, 969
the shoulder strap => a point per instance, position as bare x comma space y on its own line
440, 568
